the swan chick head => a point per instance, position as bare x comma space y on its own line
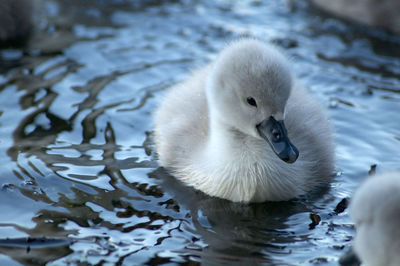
248, 90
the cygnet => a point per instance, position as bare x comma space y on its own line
375, 210
243, 129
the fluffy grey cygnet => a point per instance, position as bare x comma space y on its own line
375, 210
243, 129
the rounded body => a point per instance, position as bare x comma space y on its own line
222, 160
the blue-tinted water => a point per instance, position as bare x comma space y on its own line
76, 120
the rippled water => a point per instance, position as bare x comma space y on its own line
77, 160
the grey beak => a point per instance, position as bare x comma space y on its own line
274, 132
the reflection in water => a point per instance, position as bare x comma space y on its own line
76, 141
235, 231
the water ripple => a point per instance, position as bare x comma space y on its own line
76, 125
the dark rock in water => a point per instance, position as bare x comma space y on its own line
372, 170
15, 21
342, 205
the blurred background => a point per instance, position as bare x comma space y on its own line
79, 81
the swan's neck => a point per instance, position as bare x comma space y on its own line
229, 148
224, 142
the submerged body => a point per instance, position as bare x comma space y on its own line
212, 130
375, 210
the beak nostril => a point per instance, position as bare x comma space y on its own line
276, 134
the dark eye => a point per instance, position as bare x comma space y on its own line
251, 101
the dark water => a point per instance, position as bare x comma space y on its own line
77, 161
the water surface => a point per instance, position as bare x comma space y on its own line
78, 165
